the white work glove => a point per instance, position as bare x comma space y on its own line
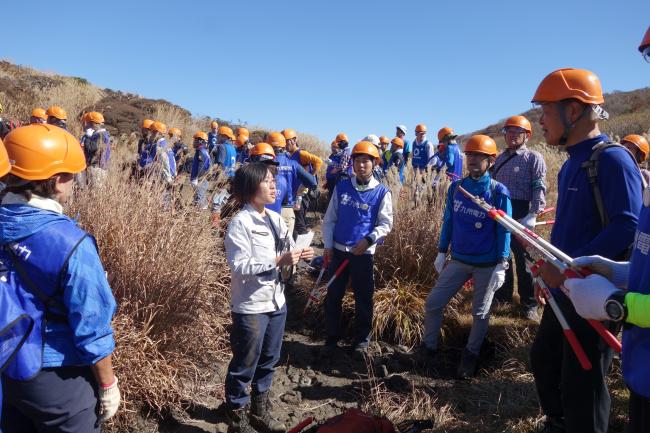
589, 295
529, 221
90, 132
436, 180
616, 272
195, 182
439, 263
109, 401
497, 278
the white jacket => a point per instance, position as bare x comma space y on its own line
251, 251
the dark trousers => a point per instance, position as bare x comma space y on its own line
255, 341
360, 272
639, 414
525, 289
300, 227
56, 400
565, 390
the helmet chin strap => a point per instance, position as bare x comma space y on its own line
568, 126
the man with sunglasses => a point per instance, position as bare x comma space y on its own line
523, 171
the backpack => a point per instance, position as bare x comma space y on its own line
26, 298
355, 421
591, 165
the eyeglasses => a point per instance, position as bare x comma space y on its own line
513, 130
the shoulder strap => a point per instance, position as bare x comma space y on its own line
591, 165
496, 169
53, 306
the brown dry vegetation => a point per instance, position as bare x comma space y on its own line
168, 273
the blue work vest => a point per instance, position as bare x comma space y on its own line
212, 141
230, 160
455, 169
357, 212
473, 231
636, 340
281, 194
288, 170
45, 269
420, 157
172, 161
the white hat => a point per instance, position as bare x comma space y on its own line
401, 128
373, 139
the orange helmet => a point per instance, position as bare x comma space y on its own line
39, 151
444, 132
39, 113
481, 144
289, 134
5, 166
57, 112
519, 122
383, 139
201, 135
276, 139
225, 130
95, 117
263, 149
242, 131
146, 123
645, 42
365, 148
398, 142
341, 137
174, 131
241, 140
421, 128
639, 142
214, 125
158, 127
570, 83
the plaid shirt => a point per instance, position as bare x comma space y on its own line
524, 175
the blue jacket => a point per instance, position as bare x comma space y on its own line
453, 161
465, 224
88, 336
201, 163
577, 230
282, 193
636, 340
422, 154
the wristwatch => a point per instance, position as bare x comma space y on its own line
615, 307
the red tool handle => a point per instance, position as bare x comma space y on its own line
545, 211
301, 426
341, 267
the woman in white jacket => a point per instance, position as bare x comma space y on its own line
257, 245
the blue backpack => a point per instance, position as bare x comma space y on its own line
34, 298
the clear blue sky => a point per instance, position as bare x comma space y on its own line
328, 66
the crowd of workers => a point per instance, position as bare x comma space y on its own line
56, 305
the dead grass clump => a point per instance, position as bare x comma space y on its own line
172, 288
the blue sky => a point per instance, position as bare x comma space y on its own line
328, 66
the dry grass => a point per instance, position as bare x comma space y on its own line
171, 283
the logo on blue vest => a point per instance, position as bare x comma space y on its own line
459, 207
346, 200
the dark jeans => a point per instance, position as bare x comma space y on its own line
360, 271
639, 414
525, 289
255, 341
300, 227
564, 389
57, 400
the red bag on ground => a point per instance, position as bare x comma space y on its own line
355, 421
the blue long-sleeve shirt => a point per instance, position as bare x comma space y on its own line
500, 248
577, 229
201, 163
